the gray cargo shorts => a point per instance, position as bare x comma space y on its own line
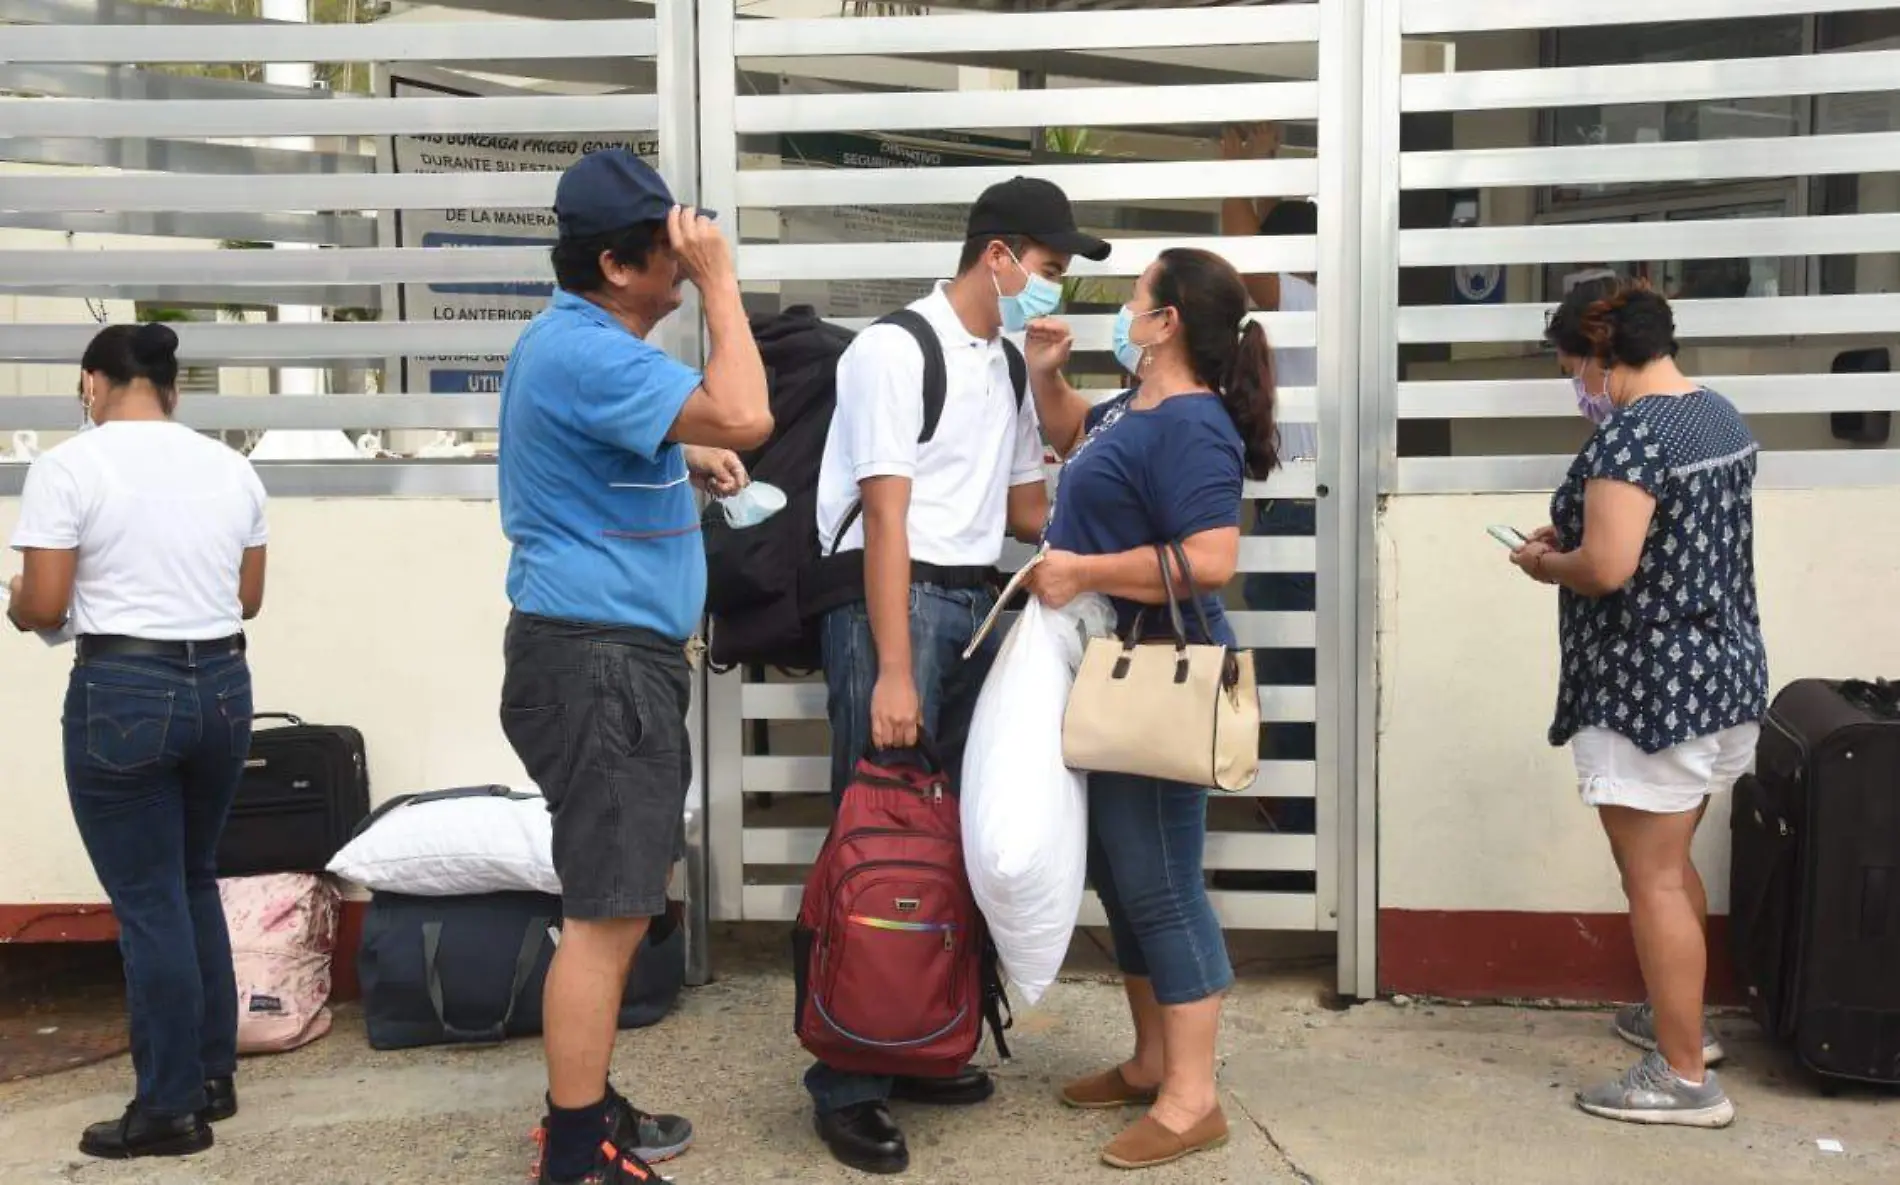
597, 715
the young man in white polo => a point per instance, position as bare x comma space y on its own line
929, 520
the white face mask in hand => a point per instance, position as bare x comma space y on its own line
752, 505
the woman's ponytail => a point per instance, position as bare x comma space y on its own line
1248, 391
1226, 347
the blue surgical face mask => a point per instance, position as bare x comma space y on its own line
1597, 407
1128, 353
1040, 297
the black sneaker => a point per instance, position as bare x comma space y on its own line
655, 1139
614, 1167
136, 1134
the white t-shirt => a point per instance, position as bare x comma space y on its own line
1297, 366
960, 480
161, 517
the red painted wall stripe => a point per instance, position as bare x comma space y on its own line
1489, 955
1466, 954
95, 923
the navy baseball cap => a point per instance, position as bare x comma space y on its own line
610, 190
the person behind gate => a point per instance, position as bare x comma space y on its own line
1164, 463
603, 437
1279, 518
147, 540
928, 520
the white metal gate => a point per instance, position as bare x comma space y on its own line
767, 775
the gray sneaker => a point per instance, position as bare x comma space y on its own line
1651, 1092
1636, 1023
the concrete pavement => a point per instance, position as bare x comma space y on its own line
1421, 1095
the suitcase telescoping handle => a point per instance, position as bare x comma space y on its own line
525, 961
1879, 698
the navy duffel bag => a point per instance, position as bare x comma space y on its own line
469, 970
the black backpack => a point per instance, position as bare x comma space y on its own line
753, 575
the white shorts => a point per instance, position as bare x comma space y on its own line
1612, 771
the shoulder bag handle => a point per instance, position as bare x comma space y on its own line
525, 960
1230, 665
1193, 598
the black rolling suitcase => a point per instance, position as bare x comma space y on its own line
1815, 878
305, 789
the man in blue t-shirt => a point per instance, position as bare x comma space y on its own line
603, 438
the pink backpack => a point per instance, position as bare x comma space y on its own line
283, 930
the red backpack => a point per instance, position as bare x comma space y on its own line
893, 966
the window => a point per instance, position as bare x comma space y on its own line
1643, 123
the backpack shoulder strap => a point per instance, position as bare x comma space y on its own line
936, 389
1018, 371
936, 381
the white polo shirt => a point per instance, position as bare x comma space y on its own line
960, 480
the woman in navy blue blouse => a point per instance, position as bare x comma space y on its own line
1164, 462
1664, 678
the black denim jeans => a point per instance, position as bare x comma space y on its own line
155, 748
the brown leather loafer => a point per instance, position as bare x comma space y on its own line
1105, 1091
1145, 1143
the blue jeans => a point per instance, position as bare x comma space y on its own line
942, 622
154, 751
1147, 838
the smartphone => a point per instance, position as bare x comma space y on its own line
1511, 537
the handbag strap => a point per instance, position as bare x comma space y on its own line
1193, 599
525, 960
1176, 621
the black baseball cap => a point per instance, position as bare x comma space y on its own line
610, 190
1034, 209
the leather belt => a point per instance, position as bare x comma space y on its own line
112, 645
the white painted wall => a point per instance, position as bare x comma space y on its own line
382, 614
1476, 812
388, 615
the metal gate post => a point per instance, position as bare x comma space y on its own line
724, 747
676, 87
1357, 71
1361, 60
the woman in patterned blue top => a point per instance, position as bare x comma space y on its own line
1664, 678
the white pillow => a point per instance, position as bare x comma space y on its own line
453, 846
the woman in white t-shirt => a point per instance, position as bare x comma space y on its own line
146, 540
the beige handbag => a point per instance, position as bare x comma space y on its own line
1183, 713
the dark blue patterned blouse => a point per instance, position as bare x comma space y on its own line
1677, 653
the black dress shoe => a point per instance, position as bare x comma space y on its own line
965, 1088
220, 1100
864, 1137
136, 1134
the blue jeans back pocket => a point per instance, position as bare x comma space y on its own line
127, 727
